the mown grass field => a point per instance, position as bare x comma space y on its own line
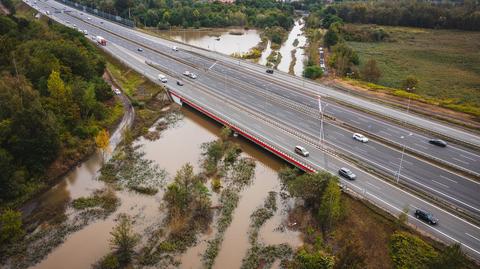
446, 62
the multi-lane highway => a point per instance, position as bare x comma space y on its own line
285, 114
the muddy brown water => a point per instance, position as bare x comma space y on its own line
287, 47
176, 146
222, 41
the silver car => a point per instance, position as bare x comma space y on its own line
302, 151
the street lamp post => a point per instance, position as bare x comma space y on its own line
401, 160
322, 112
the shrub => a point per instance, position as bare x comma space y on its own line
10, 227
409, 251
312, 72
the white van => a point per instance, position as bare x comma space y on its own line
162, 78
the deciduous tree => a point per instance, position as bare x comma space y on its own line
124, 240
370, 71
410, 83
102, 140
330, 207
10, 227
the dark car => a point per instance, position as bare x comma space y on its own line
346, 173
179, 83
438, 142
270, 71
140, 49
425, 216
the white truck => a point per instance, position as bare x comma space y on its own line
102, 41
162, 78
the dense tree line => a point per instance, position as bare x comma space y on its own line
465, 16
51, 94
193, 13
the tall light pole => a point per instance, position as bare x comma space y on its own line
401, 160
402, 137
322, 110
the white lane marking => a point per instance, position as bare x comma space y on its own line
444, 177
471, 159
440, 183
426, 225
473, 237
361, 150
383, 132
420, 146
210, 68
395, 163
375, 186
362, 119
458, 160
370, 146
427, 187
464, 151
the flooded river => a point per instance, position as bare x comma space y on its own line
177, 145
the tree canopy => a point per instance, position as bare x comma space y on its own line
50, 81
190, 13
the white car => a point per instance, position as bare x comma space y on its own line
186, 73
302, 151
192, 76
88, 18
174, 48
360, 137
162, 78
117, 91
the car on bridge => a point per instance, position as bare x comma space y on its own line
346, 173
360, 137
425, 216
438, 142
302, 151
190, 74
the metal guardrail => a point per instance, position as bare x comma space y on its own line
99, 13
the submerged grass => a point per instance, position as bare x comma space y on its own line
259, 254
222, 161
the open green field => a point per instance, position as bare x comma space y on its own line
446, 62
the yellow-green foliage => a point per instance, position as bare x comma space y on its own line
409, 251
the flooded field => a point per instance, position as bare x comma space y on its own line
229, 41
226, 41
176, 146
290, 45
